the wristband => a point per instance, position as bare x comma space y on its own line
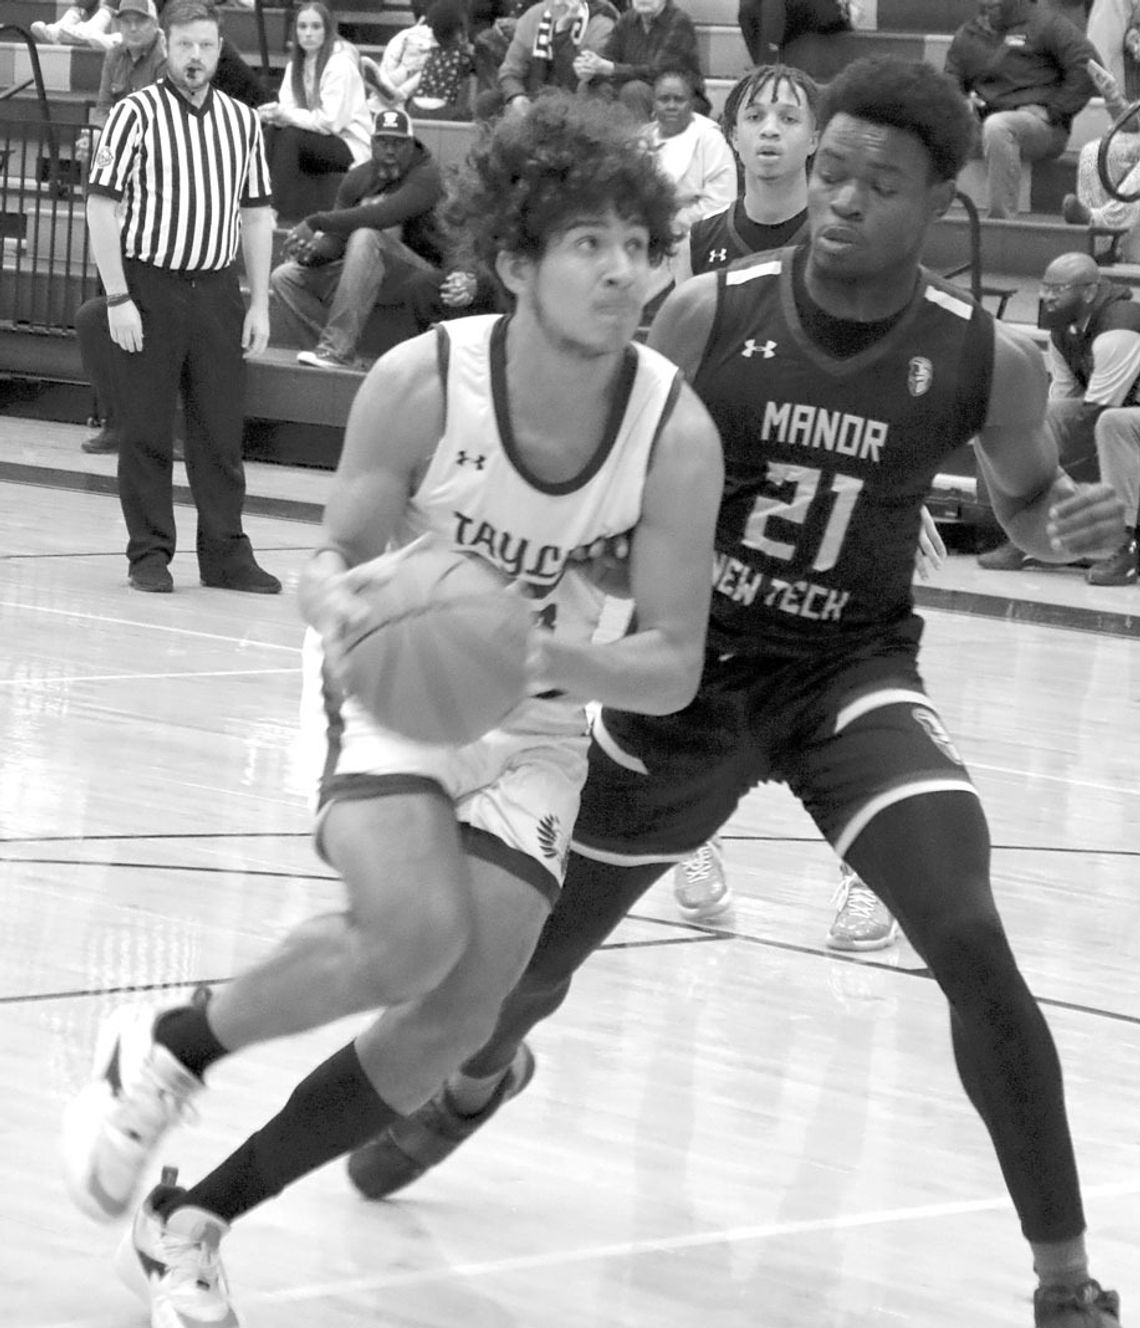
114, 301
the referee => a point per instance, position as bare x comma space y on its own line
179, 178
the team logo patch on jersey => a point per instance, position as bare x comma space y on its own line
931, 725
767, 349
718, 255
919, 375
104, 157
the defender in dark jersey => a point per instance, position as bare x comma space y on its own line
840, 374
769, 119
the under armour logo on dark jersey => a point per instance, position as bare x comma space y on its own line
462, 458
768, 349
718, 255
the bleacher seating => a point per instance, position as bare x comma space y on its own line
41, 217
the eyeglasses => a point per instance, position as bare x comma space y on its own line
1058, 288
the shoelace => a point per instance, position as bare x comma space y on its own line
699, 868
854, 897
189, 1263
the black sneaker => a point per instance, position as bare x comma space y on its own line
106, 440
1119, 570
247, 577
1006, 557
416, 1143
151, 575
1086, 1306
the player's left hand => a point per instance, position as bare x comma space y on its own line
931, 552
1087, 522
255, 330
606, 563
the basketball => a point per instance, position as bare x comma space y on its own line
442, 657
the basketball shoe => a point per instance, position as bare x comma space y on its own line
1086, 1306
862, 921
416, 1143
137, 1092
172, 1263
699, 884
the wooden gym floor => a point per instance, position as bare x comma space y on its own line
728, 1129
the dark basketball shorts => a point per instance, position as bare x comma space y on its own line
849, 733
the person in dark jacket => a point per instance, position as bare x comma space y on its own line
651, 36
383, 225
547, 40
797, 32
1094, 398
1024, 69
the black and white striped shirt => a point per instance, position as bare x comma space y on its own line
184, 173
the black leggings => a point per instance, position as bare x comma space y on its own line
928, 859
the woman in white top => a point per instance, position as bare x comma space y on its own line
693, 152
320, 123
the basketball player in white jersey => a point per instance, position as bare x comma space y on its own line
527, 440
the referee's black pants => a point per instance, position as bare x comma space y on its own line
192, 325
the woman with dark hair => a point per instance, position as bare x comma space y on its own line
320, 123
441, 93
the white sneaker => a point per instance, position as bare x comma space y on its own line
110, 1131
699, 884
47, 33
862, 921
173, 1264
316, 360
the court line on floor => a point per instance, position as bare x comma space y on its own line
694, 934
173, 628
83, 481
40, 684
445, 1274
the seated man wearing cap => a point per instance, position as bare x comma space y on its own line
136, 62
382, 226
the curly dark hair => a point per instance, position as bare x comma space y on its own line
906, 95
746, 90
564, 158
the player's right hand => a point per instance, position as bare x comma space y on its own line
125, 324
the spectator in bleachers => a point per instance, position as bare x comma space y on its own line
383, 226
800, 33
442, 91
693, 152
320, 123
1094, 397
492, 27
547, 41
80, 25
650, 36
404, 58
136, 62
1023, 68
1092, 205
1108, 27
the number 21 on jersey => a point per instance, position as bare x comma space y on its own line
797, 489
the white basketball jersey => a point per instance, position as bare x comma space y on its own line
478, 495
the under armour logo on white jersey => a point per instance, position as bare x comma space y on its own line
462, 458
718, 255
768, 349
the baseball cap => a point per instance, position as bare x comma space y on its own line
146, 7
389, 124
